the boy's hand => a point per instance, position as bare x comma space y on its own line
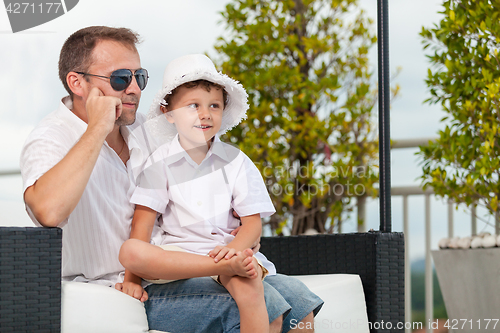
220, 252
133, 289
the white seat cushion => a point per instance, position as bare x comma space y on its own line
344, 309
98, 309
88, 307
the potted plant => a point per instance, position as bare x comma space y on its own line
463, 164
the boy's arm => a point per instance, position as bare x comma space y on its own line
255, 246
142, 227
249, 234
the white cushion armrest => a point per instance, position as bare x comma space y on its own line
88, 307
344, 309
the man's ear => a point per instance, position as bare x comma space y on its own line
76, 83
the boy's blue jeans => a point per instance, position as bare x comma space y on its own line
202, 305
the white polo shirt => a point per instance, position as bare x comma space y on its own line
100, 223
196, 200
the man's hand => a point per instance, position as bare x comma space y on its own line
102, 111
220, 252
133, 289
54, 196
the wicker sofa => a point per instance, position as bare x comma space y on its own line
30, 270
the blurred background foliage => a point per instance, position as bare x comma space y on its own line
311, 127
464, 77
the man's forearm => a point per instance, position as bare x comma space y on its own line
56, 193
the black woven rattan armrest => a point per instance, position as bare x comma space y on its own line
378, 258
30, 279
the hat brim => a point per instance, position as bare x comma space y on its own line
234, 112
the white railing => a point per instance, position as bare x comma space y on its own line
405, 192
10, 173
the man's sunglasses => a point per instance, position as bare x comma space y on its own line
121, 78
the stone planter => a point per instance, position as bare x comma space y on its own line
470, 284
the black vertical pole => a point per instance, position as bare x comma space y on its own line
384, 94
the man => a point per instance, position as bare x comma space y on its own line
77, 176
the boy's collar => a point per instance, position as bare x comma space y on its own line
217, 148
176, 152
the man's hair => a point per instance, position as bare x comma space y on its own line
76, 53
204, 84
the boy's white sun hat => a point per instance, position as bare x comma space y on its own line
191, 68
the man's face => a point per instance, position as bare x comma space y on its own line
107, 57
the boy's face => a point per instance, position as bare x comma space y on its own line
197, 114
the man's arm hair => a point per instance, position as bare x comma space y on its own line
56, 193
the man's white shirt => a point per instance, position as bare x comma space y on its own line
100, 223
196, 200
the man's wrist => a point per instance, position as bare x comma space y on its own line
97, 132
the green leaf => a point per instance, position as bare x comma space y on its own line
463, 77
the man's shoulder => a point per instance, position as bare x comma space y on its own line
142, 135
53, 126
158, 158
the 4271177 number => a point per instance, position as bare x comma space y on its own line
30, 7
455, 324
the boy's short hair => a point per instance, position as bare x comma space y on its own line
204, 84
76, 53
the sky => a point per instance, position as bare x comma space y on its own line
30, 88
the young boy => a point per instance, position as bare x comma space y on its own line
194, 180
